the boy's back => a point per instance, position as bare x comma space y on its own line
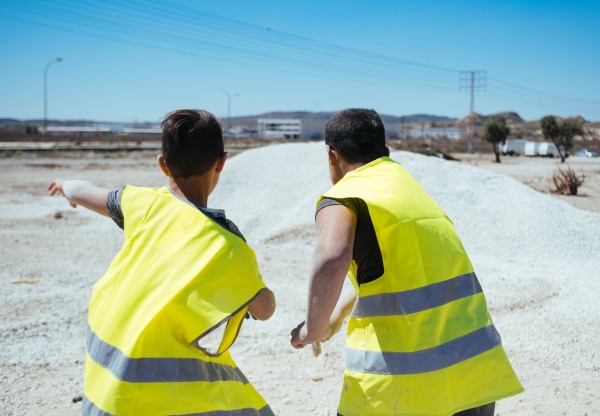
177, 277
183, 271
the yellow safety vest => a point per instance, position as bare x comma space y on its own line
420, 339
178, 276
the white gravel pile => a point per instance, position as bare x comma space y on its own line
538, 260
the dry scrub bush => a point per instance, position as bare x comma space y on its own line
567, 182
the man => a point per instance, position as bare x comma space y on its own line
420, 340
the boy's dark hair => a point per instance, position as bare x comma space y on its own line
192, 141
357, 134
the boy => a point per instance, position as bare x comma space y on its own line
184, 272
420, 340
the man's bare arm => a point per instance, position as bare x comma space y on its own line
81, 193
335, 230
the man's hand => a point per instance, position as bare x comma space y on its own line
298, 334
297, 338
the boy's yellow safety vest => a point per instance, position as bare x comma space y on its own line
178, 277
420, 340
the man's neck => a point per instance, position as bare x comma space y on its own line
346, 167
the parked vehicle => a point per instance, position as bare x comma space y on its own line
513, 147
531, 149
548, 149
586, 153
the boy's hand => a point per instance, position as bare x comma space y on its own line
56, 188
83, 193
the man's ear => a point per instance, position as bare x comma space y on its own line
221, 162
163, 165
387, 151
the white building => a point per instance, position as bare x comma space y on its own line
426, 132
279, 128
142, 131
76, 130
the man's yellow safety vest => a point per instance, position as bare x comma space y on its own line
420, 339
178, 277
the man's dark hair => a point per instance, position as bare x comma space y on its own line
357, 134
192, 141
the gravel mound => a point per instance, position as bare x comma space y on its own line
536, 257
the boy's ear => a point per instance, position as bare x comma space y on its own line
332, 155
387, 151
163, 165
220, 162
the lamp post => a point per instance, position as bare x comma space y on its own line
46, 92
229, 98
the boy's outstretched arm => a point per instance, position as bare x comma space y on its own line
81, 193
336, 226
263, 306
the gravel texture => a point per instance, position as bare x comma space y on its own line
537, 258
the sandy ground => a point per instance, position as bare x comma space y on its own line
537, 173
53, 254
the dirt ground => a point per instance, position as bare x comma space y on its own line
537, 173
52, 255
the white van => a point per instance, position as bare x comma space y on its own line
513, 147
548, 149
531, 149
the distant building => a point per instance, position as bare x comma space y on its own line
147, 131
426, 132
279, 128
79, 131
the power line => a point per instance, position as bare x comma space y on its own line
472, 80
190, 31
186, 36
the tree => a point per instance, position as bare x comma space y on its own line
495, 132
569, 129
561, 134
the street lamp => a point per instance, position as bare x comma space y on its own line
229, 98
46, 92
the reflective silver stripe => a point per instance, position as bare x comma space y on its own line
417, 300
157, 370
265, 411
423, 361
90, 409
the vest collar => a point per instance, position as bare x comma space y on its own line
213, 212
383, 159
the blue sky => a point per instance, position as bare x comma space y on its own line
136, 60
